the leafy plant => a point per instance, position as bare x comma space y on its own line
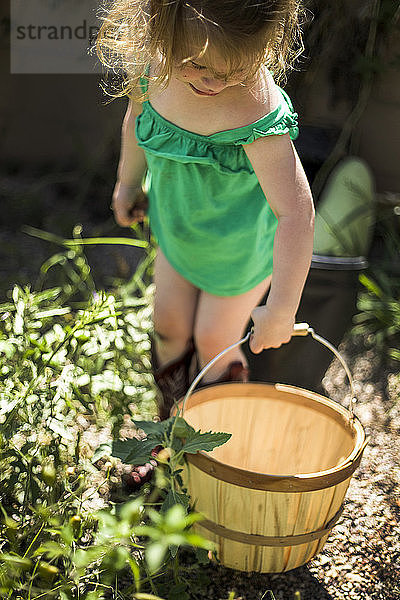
62, 562
74, 359
379, 315
379, 303
176, 438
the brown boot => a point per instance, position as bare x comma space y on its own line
235, 371
172, 379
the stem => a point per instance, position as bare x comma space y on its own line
26, 492
49, 592
150, 579
176, 568
32, 578
132, 587
49, 237
33, 541
171, 435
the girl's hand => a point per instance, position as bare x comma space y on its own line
129, 204
271, 329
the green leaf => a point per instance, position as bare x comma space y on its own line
182, 429
105, 381
178, 592
58, 427
175, 518
135, 570
67, 534
199, 542
133, 451
115, 559
54, 312
173, 498
83, 558
193, 517
202, 556
371, 286
131, 511
154, 429
51, 549
205, 441
7, 348
6, 406
17, 561
155, 553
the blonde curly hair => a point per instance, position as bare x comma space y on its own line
246, 34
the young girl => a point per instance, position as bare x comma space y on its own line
229, 203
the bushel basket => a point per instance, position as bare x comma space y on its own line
272, 493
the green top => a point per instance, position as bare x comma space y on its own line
207, 210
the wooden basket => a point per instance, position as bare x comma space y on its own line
272, 493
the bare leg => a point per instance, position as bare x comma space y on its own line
220, 321
175, 306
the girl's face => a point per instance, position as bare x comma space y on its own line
201, 80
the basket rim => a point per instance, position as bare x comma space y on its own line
284, 482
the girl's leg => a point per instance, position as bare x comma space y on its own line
220, 321
172, 350
175, 305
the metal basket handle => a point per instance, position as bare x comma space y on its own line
299, 329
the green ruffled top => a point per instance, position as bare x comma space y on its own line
207, 210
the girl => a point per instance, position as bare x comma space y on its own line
229, 203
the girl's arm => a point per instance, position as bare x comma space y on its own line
284, 183
132, 165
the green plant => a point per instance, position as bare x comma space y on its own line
176, 438
60, 560
379, 315
74, 361
379, 303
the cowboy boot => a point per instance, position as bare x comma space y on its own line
173, 381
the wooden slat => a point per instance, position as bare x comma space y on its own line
284, 473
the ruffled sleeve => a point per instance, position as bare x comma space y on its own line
278, 122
